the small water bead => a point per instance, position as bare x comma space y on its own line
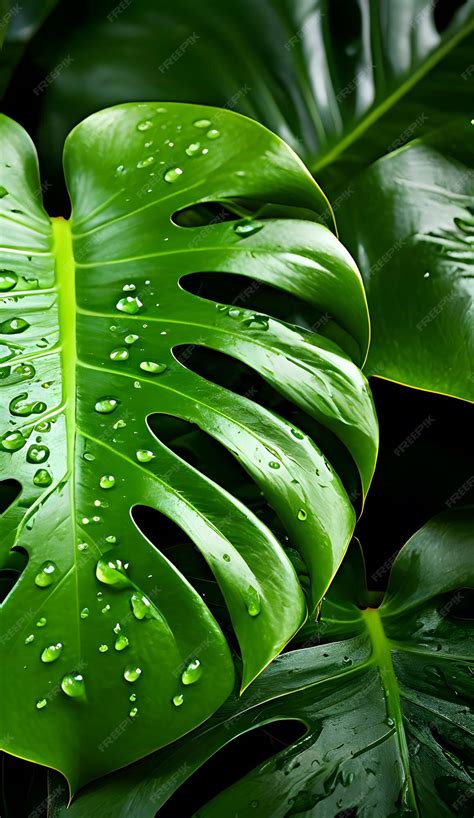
106, 608
145, 163
193, 149
226, 557
178, 700
73, 685
121, 642
43, 426
41, 622
112, 572
37, 454
103, 648
128, 288
111, 538
88, 456
13, 326
247, 228
107, 481
105, 406
133, 712
84, 613
296, 433
82, 546
24, 371
274, 464
8, 280
172, 175
42, 478
12, 441
132, 673
137, 385
302, 515
52, 653
152, 367
120, 354
46, 575
41, 703
29, 639
120, 169
132, 697
213, 133
192, 673
130, 339
252, 601
130, 304
85, 521
144, 455
119, 424
144, 125
202, 123
141, 606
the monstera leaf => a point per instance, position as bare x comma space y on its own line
385, 702
320, 73
410, 224
103, 638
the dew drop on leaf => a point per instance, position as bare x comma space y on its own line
145, 163
141, 606
130, 304
103, 648
112, 572
106, 405
133, 697
302, 515
152, 367
8, 280
133, 712
121, 642
46, 575
73, 685
213, 133
144, 125
119, 354
41, 703
178, 700
29, 639
247, 228
132, 673
274, 464
41, 622
37, 454
172, 175
51, 653
192, 672
193, 148
130, 339
202, 123
12, 441
107, 481
42, 478
84, 613
252, 601
13, 326
144, 455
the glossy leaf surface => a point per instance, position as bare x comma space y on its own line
115, 647
386, 698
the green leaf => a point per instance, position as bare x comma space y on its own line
410, 225
385, 700
93, 312
321, 74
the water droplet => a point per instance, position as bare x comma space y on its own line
88, 456
213, 133
133, 697
13, 326
107, 481
172, 175
41, 703
274, 464
133, 712
119, 424
193, 148
37, 454
302, 514
132, 673
73, 685
111, 538
130, 304
84, 613
120, 169
103, 648
106, 608
141, 606
51, 653
29, 639
46, 575
144, 125
20, 408
12, 441
145, 163
112, 572
252, 601
202, 123
121, 642
178, 700
82, 546
152, 367
106, 405
41, 622
426, 275
128, 288
296, 433
130, 339
192, 672
120, 354
144, 455
8, 280
226, 557
248, 228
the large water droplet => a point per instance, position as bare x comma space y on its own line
13, 326
106, 405
252, 601
42, 478
12, 441
248, 228
192, 672
130, 304
107, 481
112, 572
172, 175
132, 673
120, 354
37, 454
51, 653
46, 575
144, 455
8, 280
141, 606
121, 642
152, 367
73, 685
213, 133
274, 464
130, 339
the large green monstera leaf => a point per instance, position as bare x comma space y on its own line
410, 225
103, 638
385, 700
